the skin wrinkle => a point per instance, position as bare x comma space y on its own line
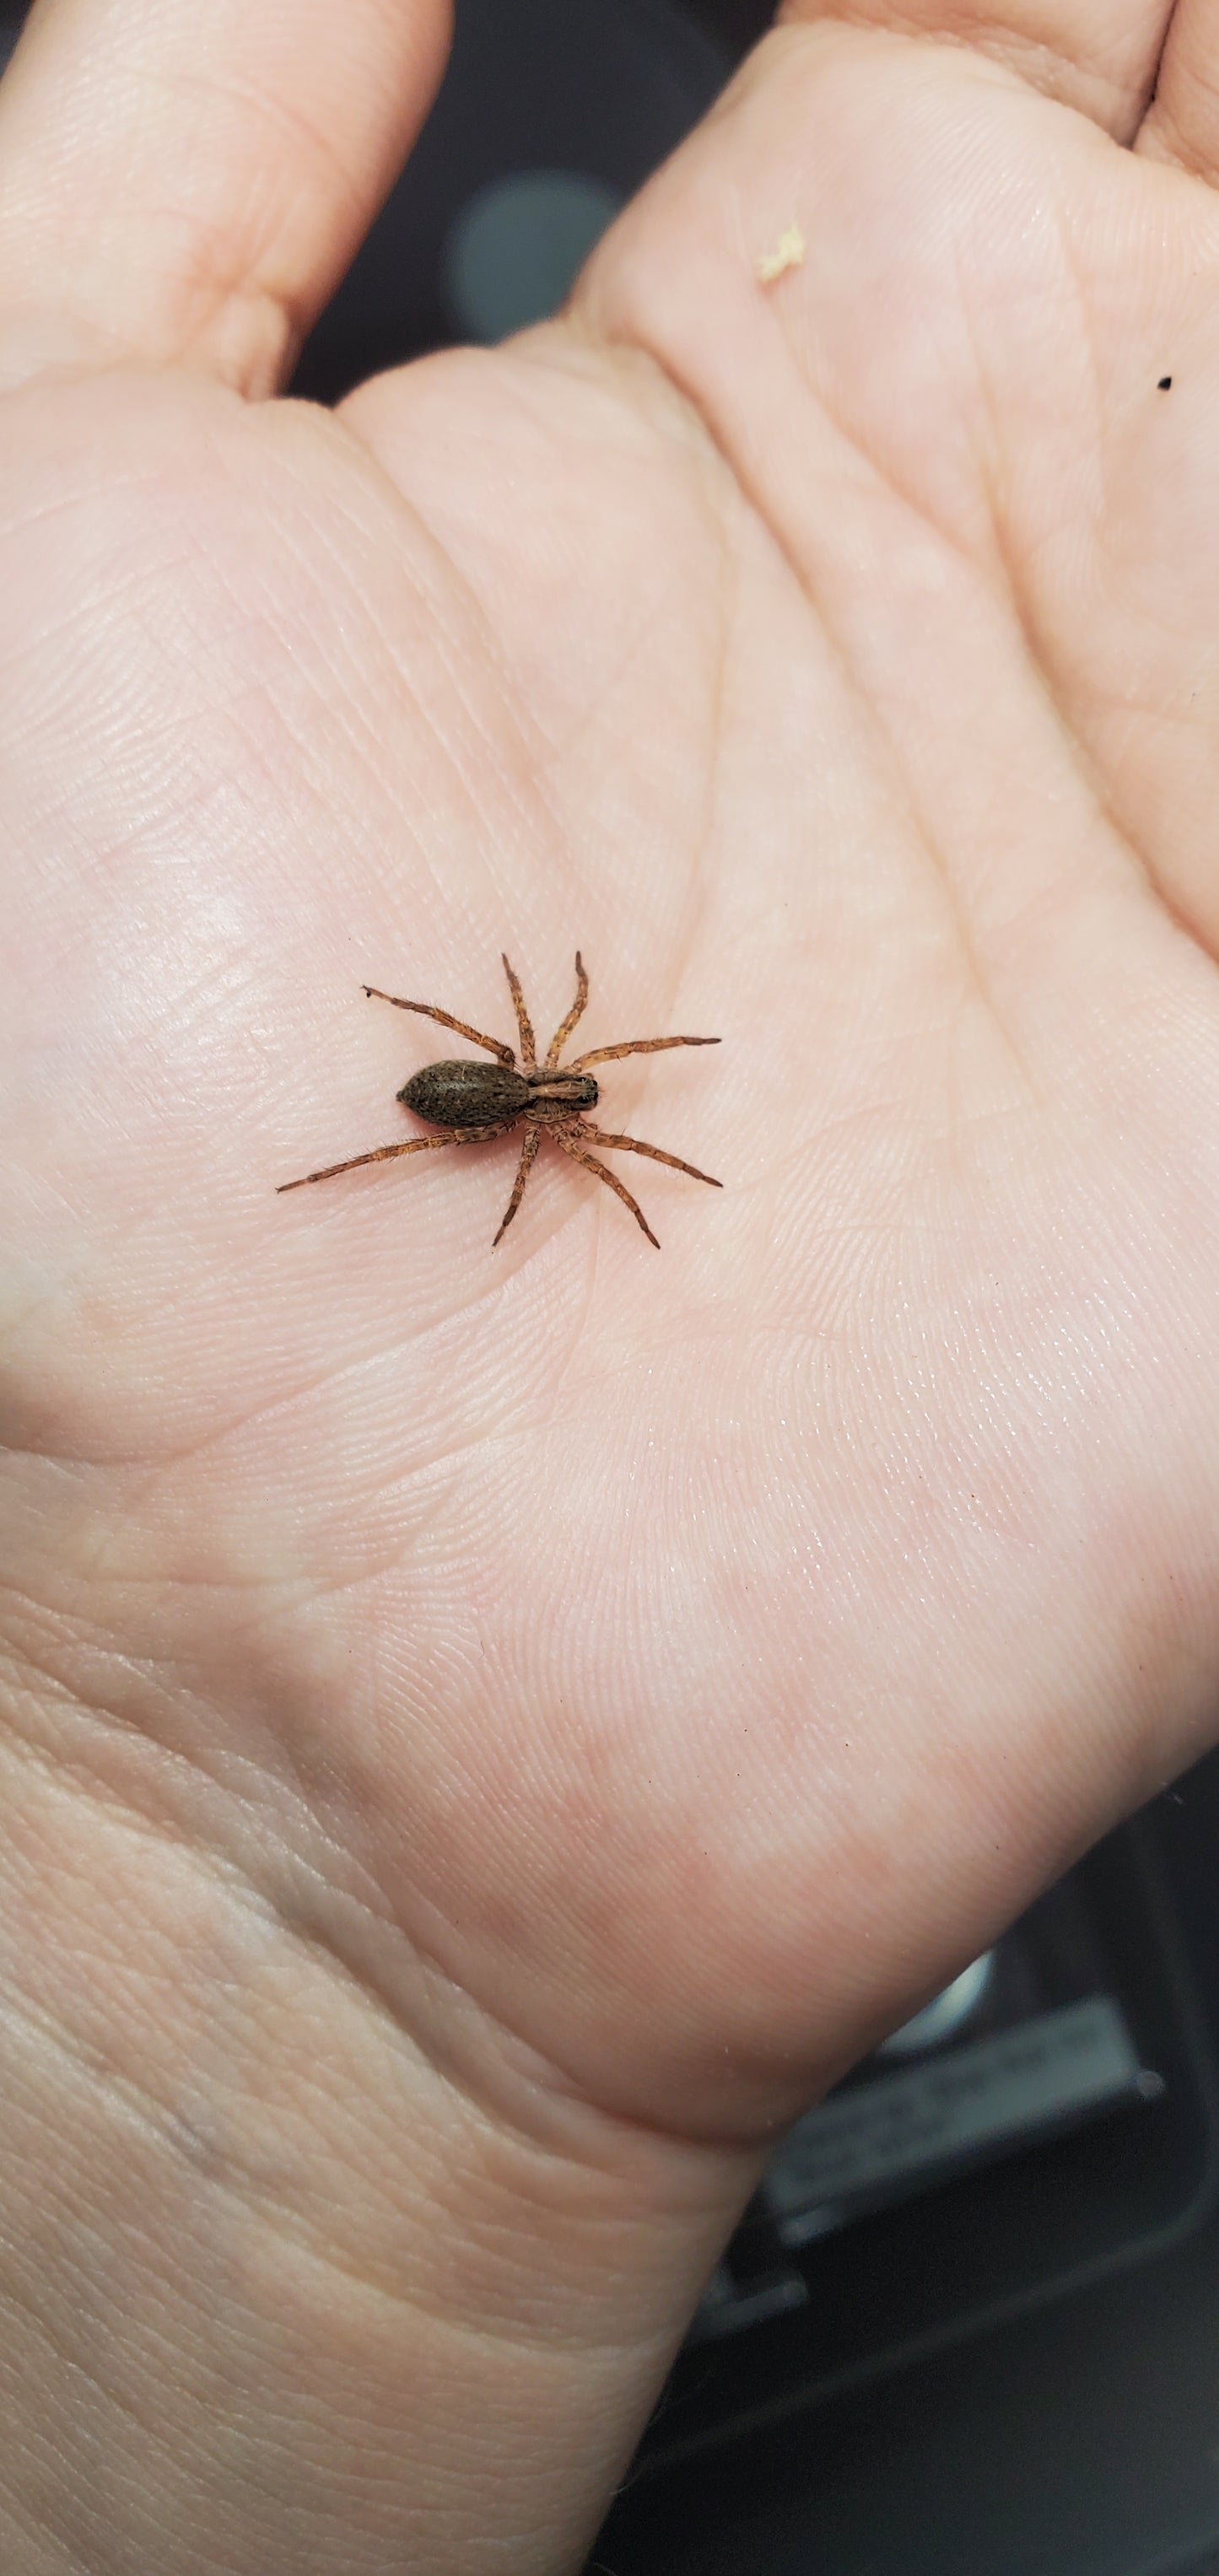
65, 505
1036, 672
284, 119
299, 1585
543, 350
142, 2114
526, 734
1025, 58
479, 1300
510, 708
55, 2340
1013, 594
54, 2510
32, 2527
237, 2183
766, 521
423, 595
564, 1370
1057, 697
451, 661
423, 1464
314, 1942
1165, 143
728, 2142
911, 805
702, 831
56, 1766
226, 1875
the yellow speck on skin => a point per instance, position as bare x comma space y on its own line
788, 253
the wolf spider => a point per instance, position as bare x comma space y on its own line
470, 1103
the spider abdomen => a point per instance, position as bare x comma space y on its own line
464, 1094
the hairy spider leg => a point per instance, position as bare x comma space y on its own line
565, 1027
523, 1021
632, 1145
635, 1046
533, 1138
566, 1137
415, 1145
429, 1011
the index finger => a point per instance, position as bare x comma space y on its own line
189, 184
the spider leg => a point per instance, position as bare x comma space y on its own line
564, 1030
635, 1046
523, 1021
415, 1145
533, 1138
428, 1011
565, 1136
632, 1145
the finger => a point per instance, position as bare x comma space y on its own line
1182, 123
1097, 55
179, 183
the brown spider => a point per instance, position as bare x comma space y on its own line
472, 1102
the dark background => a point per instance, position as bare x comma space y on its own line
1069, 2428
599, 89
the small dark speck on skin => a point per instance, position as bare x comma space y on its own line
1164, 384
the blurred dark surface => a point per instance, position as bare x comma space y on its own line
594, 91
1016, 2373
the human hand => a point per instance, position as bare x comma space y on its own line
489, 1734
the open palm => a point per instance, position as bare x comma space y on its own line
492, 1730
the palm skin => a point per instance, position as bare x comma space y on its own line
590, 1695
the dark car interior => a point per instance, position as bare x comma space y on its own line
970, 2322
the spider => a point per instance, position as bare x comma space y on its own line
470, 1103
